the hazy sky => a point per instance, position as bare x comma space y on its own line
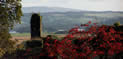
94, 5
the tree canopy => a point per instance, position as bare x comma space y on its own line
10, 14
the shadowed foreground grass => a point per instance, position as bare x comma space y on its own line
28, 35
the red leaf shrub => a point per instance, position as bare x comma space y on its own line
97, 41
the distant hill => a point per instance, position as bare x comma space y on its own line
47, 9
60, 9
55, 19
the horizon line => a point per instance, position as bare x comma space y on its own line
76, 9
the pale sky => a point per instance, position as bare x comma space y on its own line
91, 5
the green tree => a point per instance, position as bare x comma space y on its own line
10, 14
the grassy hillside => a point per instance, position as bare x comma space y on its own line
54, 21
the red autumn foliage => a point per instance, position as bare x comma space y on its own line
97, 41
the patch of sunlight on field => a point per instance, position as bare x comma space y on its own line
20, 34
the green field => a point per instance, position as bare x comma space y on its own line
20, 34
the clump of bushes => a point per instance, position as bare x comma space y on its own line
2, 52
6, 47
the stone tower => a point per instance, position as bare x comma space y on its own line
36, 26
